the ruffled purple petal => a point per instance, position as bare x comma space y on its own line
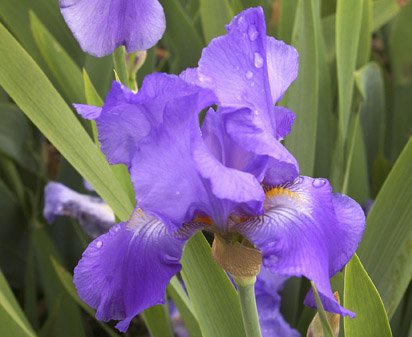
307, 231
226, 150
268, 300
234, 66
94, 216
283, 65
248, 131
174, 182
127, 118
126, 270
246, 68
102, 25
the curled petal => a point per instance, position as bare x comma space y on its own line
192, 179
268, 300
127, 118
246, 68
247, 130
94, 216
307, 231
126, 270
102, 25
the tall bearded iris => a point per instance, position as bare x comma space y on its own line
102, 25
232, 177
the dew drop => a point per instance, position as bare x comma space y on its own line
99, 244
318, 182
253, 33
258, 60
252, 84
249, 75
177, 193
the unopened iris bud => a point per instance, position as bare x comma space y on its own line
240, 259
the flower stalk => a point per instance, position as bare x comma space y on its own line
247, 298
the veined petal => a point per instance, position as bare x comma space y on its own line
226, 149
127, 118
102, 25
246, 68
307, 231
283, 65
268, 300
126, 270
94, 216
192, 179
247, 130
234, 66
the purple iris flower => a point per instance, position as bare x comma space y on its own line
93, 214
102, 25
225, 177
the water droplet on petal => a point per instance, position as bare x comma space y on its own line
177, 193
318, 182
253, 33
99, 244
252, 84
249, 75
258, 60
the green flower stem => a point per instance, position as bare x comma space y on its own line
246, 289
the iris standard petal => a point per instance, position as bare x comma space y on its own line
94, 216
176, 181
126, 270
246, 68
307, 231
102, 25
226, 150
283, 65
234, 66
272, 323
248, 72
247, 130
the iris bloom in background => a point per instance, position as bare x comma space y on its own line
231, 176
93, 214
100, 26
